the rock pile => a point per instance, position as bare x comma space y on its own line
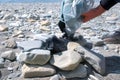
32, 48
41, 58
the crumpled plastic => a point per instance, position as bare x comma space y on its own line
71, 11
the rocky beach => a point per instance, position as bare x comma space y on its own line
31, 47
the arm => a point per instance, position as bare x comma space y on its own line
104, 5
93, 13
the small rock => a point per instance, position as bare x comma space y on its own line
93, 77
72, 45
45, 23
16, 33
10, 55
55, 77
1, 63
3, 28
10, 43
80, 72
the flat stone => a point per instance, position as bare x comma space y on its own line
39, 57
30, 45
31, 71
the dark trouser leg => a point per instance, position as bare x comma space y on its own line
61, 26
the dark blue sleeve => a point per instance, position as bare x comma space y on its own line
107, 4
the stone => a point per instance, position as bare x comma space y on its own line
1, 63
96, 60
39, 57
15, 24
10, 43
13, 66
72, 45
45, 23
34, 17
55, 77
21, 36
92, 77
10, 55
3, 28
112, 17
71, 57
31, 71
9, 17
14, 75
16, 33
30, 45
79, 72
43, 28
97, 42
2, 21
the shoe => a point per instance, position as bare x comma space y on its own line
112, 38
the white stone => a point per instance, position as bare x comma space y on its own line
3, 28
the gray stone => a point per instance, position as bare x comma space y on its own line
10, 55
14, 75
10, 43
34, 17
30, 45
1, 63
46, 38
71, 57
31, 71
97, 42
40, 57
55, 77
80, 72
96, 60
